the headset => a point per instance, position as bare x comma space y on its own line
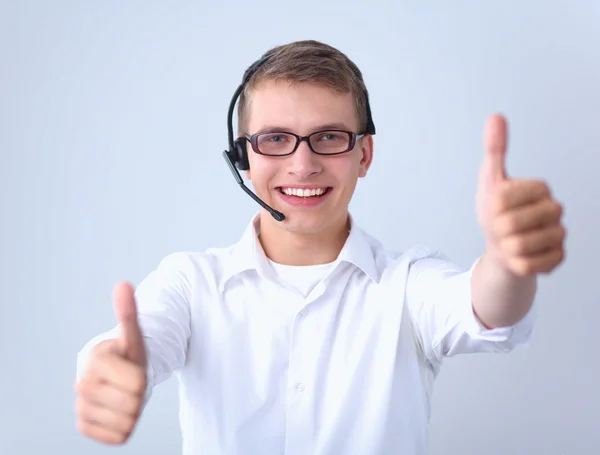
236, 156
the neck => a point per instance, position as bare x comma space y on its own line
292, 248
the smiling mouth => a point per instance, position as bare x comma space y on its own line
304, 192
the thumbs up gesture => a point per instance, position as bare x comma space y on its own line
520, 219
111, 391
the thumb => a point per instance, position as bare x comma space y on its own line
131, 341
495, 142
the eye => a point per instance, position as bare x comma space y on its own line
331, 136
273, 138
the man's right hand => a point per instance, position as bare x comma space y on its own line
110, 392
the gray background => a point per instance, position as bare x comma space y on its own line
112, 121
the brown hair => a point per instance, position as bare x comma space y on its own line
309, 61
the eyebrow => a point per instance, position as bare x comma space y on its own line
326, 126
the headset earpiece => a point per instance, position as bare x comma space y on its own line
241, 154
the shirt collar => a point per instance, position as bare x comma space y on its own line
248, 254
358, 251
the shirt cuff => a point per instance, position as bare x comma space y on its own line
507, 338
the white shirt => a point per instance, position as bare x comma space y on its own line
348, 369
302, 278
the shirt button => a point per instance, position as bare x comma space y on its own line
303, 311
300, 387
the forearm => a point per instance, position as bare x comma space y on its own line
500, 298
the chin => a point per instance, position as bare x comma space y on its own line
302, 227
307, 223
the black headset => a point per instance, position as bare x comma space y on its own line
237, 154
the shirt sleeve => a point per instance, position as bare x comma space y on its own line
440, 304
162, 300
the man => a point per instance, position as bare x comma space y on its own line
308, 336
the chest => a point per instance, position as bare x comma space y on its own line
332, 368
340, 335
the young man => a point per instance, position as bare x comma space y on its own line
308, 336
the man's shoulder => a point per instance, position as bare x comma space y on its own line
196, 263
390, 255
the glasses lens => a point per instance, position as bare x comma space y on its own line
330, 142
275, 143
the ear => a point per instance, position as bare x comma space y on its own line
247, 174
366, 145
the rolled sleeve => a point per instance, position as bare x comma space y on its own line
440, 302
500, 339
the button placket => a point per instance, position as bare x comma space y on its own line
299, 403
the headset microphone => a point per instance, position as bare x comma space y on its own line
277, 215
237, 154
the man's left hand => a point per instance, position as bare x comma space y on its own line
521, 221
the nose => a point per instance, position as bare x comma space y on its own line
303, 162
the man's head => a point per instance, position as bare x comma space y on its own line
306, 87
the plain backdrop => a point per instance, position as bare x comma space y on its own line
112, 124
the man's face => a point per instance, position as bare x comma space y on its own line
303, 109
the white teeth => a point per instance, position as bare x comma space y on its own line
303, 192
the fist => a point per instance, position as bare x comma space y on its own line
111, 391
521, 220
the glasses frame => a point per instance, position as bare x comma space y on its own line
352, 137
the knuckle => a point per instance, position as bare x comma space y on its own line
543, 187
82, 407
116, 438
129, 423
83, 427
121, 438
558, 209
96, 363
515, 245
499, 201
89, 392
100, 433
134, 408
86, 386
127, 404
102, 347
511, 223
82, 386
554, 262
552, 211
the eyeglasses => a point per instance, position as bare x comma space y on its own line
328, 142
